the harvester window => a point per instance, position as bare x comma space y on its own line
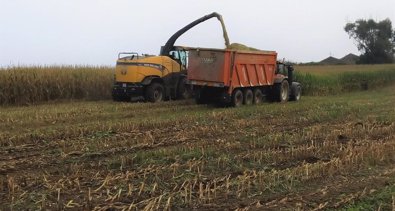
174, 55
180, 56
184, 58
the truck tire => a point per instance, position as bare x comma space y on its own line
258, 96
184, 90
296, 93
154, 92
200, 97
248, 97
237, 98
281, 91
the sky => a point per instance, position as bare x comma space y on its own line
93, 32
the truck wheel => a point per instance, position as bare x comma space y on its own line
297, 92
282, 91
200, 97
258, 96
184, 90
237, 98
248, 97
154, 92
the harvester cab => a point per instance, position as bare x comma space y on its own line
180, 55
156, 78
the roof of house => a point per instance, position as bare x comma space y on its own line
350, 58
331, 60
347, 59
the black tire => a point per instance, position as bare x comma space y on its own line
248, 97
237, 98
200, 97
258, 96
184, 90
297, 92
154, 93
281, 91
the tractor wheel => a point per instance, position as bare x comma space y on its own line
282, 91
297, 92
237, 98
258, 96
248, 97
154, 92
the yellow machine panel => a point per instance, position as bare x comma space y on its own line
136, 69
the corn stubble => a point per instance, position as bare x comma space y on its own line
196, 157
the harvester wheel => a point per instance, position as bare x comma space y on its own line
282, 91
237, 98
248, 97
154, 92
258, 96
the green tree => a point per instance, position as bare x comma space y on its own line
376, 40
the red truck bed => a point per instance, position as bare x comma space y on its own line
230, 68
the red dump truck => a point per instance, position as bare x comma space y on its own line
233, 77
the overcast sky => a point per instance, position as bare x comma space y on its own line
92, 32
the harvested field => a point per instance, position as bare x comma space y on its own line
324, 152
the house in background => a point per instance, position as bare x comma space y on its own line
348, 59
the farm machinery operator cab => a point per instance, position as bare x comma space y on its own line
180, 55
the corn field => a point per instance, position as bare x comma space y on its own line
32, 85
337, 79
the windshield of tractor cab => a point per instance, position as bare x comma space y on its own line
281, 69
